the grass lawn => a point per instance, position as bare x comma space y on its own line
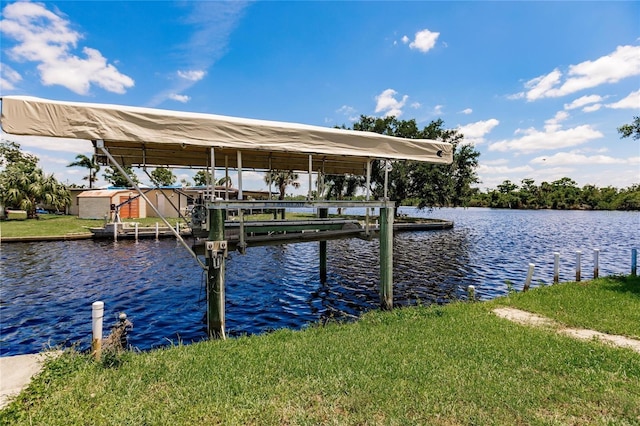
443, 365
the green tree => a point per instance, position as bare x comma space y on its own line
23, 185
88, 163
202, 178
431, 185
631, 130
114, 177
282, 179
162, 176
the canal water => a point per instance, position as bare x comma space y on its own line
47, 288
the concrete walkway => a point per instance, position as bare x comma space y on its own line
527, 318
16, 373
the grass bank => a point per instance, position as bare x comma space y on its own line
444, 365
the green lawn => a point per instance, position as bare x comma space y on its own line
443, 365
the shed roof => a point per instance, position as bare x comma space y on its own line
103, 193
144, 136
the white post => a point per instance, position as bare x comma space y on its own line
556, 268
115, 231
310, 176
578, 267
136, 226
177, 228
367, 196
157, 231
596, 261
239, 165
386, 179
97, 315
471, 293
527, 283
213, 175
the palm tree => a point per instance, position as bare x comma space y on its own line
88, 163
282, 179
25, 189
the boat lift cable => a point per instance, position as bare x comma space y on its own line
100, 145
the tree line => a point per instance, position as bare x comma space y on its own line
561, 194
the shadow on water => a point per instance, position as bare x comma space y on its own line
46, 294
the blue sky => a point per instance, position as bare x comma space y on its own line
538, 87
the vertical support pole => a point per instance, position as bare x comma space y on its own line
527, 283
97, 315
556, 268
215, 279
386, 180
239, 165
157, 231
310, 177
578, 267
136, 231
226, 176
634, 261
367, 197
323, 213
213, 176
241, 244
115, 231
596, 261
386, 257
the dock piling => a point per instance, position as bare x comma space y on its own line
323, 213
556, 268
578, 267
634, 261
386, 257
216, 248
97, 315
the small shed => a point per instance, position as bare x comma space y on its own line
100, 203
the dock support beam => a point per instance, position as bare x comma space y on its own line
323, 213
215, 275
386, 257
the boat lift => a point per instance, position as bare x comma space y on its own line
141, 137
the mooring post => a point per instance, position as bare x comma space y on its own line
97, 315
527, 282
323, 213
578, 266
596, 261
634, 261
386, 256
556, 268
215, 251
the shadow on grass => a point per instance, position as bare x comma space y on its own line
625, 284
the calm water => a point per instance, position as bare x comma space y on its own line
47, 288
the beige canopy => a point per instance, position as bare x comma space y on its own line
153, 137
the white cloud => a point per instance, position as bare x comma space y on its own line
500, 169
8, 78
466, 111
47, 39
179, 98
415, 105
575, 158
475, 132
553, 124
584, 100
535, 140
212, 23
387, 103
437, 110
624, 62
632, 101
424, 40
592, 108
192, 75
405, 39
348, 111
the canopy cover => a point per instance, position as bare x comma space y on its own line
153, 137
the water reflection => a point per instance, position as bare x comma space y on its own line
47, 288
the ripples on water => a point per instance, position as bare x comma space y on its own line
48, 288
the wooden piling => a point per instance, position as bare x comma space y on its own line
634, 261
556, 268
323, 213
97, 315
215, 277
386, 257
527, 282
596, 262
578, 266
